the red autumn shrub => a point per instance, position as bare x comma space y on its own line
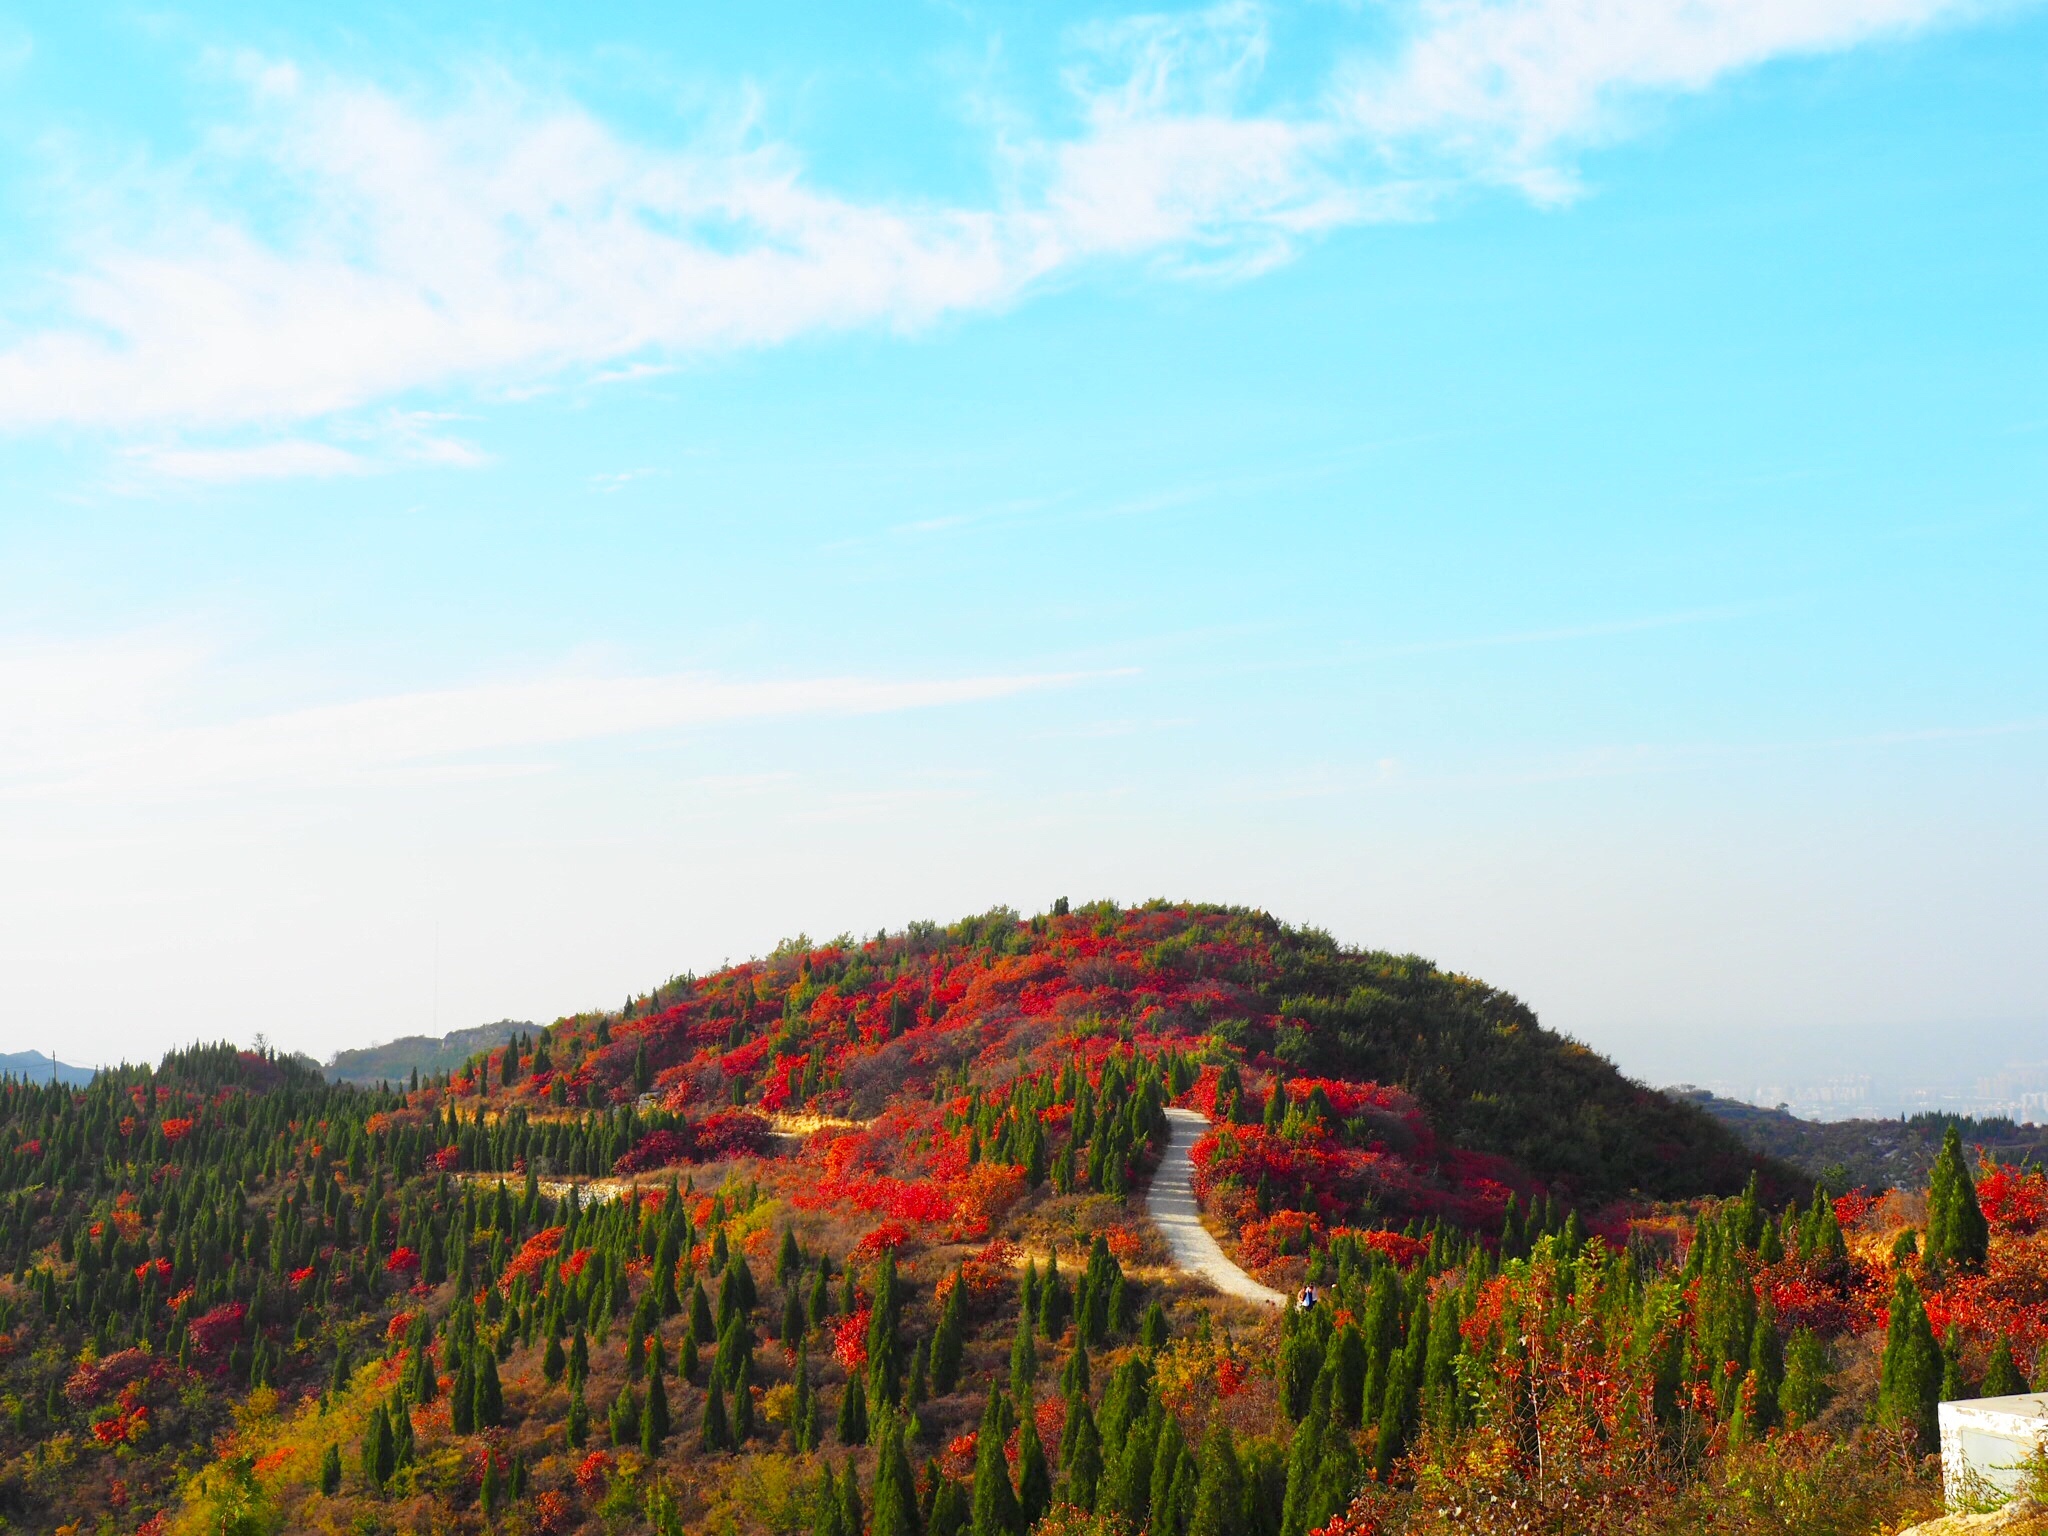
95, 1380
532, 1255
216, 1330
731, 1133
657, 1149
889, 1235
551, 1511
2013, 1199
850, 1340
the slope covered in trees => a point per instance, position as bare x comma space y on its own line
848, 1240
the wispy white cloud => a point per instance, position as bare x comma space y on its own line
511, 242
1506, 89
88, 722
289, 458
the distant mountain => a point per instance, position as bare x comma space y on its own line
36, 1068
394, 1061
1869, 1153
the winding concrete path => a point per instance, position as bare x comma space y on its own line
1171, 1205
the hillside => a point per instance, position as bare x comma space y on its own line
395, 1061
852, 1240
35, 1067
1867, 1154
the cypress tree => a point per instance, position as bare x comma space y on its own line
330, 1469
1766, 1364
1956, 1230
654, 1421
743, 1402
827, 1519
1909, 1379
378, 1462
1081, 1455
1023, 1357
1953, 1387
714, 1433
1169, 1450
1220, 1493
853, 1411
1034, 1477
994, 1507
895, 1502
489, 1410
2001, 1376
577, 1429
462, 1406
950, 1338
849, 1500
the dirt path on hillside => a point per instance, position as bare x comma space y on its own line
1171, 1204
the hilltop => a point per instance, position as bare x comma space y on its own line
851, 1239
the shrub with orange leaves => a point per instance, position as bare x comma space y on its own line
959, 1457
551, 1511
534, 1253
175, 1130
987, 1191
594, 1471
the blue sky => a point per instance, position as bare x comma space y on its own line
501, 508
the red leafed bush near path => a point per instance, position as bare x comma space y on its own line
723, 1134
403, 1261
657, 1149
1281, 1235
593, 1471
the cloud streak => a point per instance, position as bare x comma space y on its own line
509, 242
91, 724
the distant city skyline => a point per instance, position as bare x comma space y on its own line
506, 506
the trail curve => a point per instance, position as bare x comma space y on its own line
1171, 1204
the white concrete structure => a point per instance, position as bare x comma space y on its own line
1986, 1442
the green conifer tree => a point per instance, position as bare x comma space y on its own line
1909, 1377
2001, 1375
994, 1507
714, 1433
1220, 1491
1806, 1391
